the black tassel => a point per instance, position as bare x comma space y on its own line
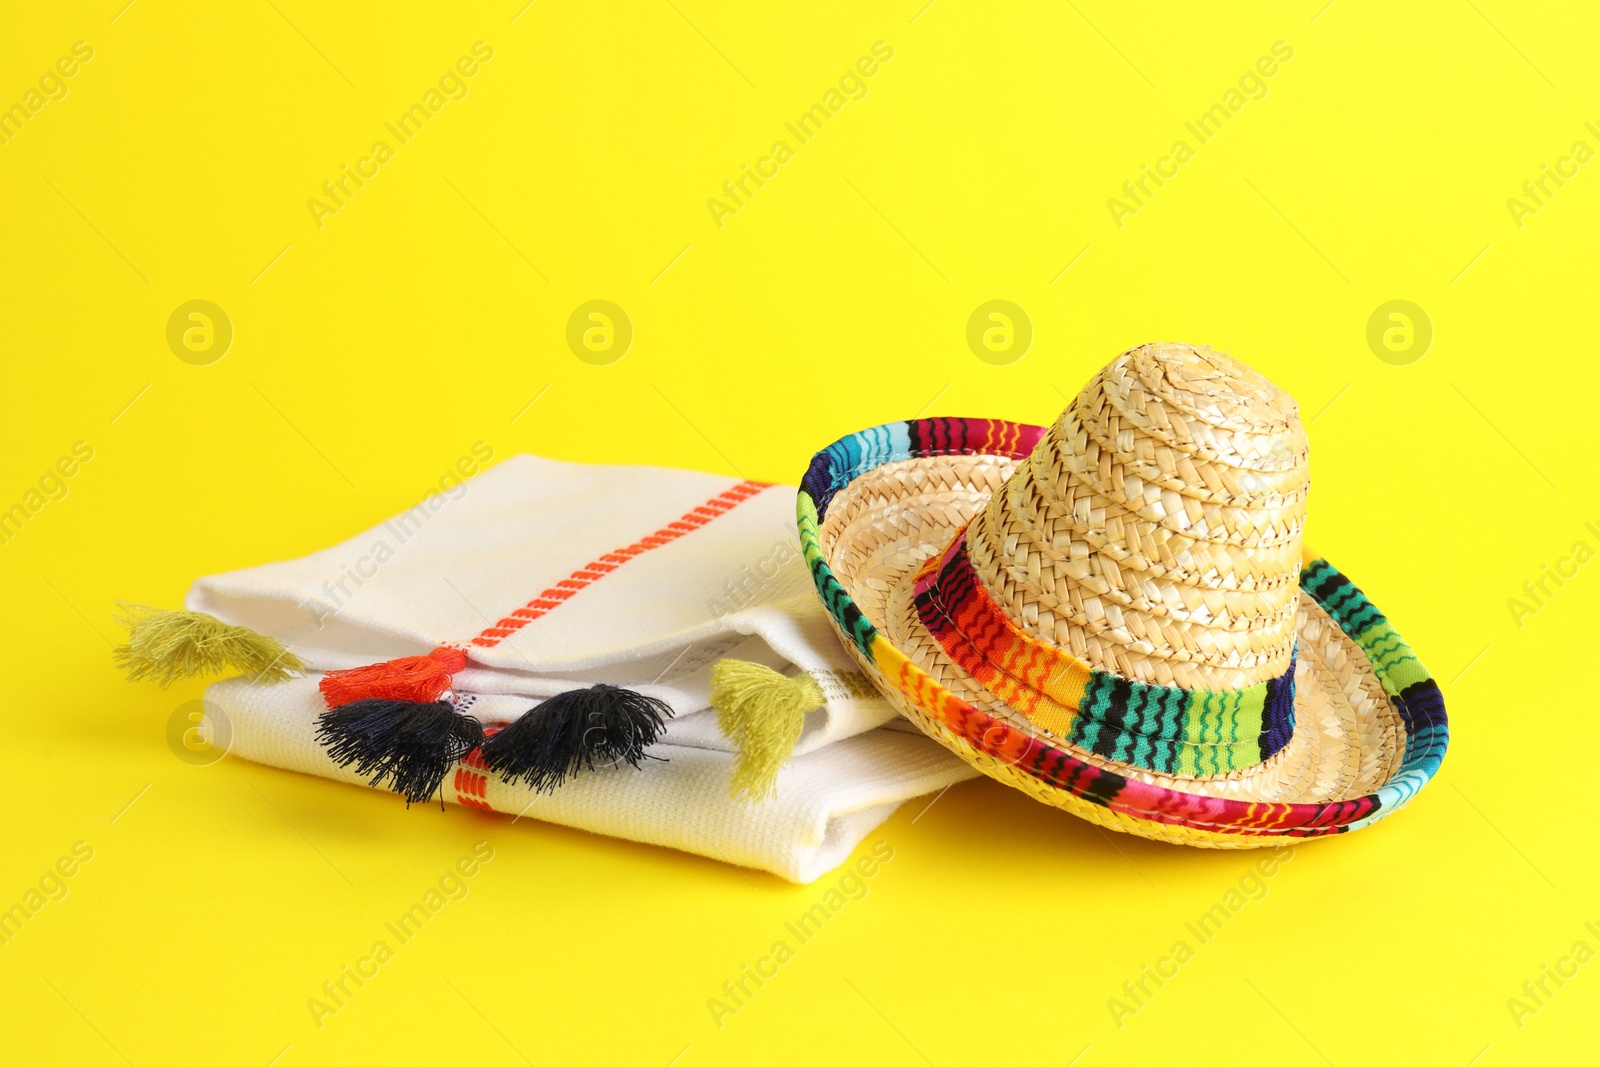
598, 726
410, 745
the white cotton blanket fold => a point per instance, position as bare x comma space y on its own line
826, 801
556, 575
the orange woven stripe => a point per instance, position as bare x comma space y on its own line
591, 572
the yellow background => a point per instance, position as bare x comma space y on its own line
430, 310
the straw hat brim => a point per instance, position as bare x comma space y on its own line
1370, 727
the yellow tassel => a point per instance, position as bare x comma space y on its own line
165, 646
761, 712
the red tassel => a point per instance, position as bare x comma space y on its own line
419, 679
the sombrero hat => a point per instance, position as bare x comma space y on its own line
1115, 615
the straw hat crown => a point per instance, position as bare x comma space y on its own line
1155, 531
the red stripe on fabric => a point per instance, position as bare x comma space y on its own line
549, 599
469, 783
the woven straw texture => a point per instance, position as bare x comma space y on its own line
1154, 533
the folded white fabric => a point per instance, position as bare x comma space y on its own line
551, 577
825, 802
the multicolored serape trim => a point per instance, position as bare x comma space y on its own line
1161, 728
1403, 677
846, 459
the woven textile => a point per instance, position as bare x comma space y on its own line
547, 577
826, 801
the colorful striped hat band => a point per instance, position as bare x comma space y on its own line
1154, 727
